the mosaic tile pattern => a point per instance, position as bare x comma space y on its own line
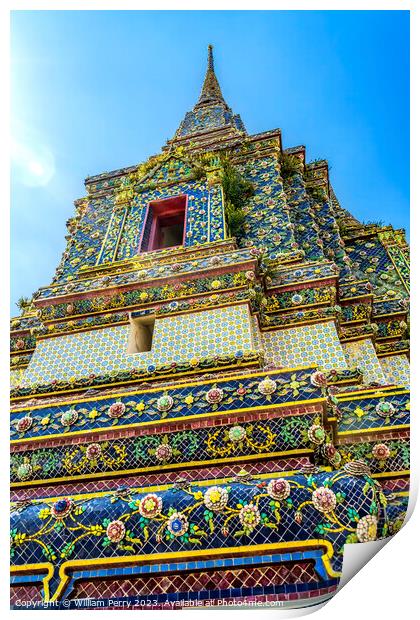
142, 406
84, 531
308, 344
256, 334
202, 334
362, 354
260, 439
266, 211
371, 260
396, 369
247, 579
25, 592
212, 474
179, 338
365, 413
16, 376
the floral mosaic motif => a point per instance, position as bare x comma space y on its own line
331, 506
356, 312
150, 506
382, 456
319, 379
141, 296
214, 396
23, 342
164, 403
267, 386
324, 499
24, 424
237, 434
225, 256
331, 455
297, 317
303, 217
278, 489
371, 260
309, 271
307, 296
24, 470
367, 529
93, 451
385, 409
62, 508
267, 208
141, 407
374, 412
316, 434
115, 531
279, 434
216, 498
68, 418
84, 245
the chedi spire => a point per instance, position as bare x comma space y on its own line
210, 92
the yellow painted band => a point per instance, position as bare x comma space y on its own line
37, 568
403, 472
375, 430
379, 394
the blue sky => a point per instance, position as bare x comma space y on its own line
98, 90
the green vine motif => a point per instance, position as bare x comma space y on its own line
189, 439
148, 446
292, 424
403, 448
22, 466
145, 446
76, 459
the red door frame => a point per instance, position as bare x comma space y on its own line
169, 207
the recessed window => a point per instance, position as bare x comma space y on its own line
141, 335
165, 224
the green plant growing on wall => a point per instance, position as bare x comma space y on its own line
316, 161
23, 303
289, 166
378, 223
237, 192
316, 193
201, 163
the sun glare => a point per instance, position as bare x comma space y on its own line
33, 165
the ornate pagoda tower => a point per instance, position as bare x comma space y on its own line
210, 399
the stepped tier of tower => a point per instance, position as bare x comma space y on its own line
211, 397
